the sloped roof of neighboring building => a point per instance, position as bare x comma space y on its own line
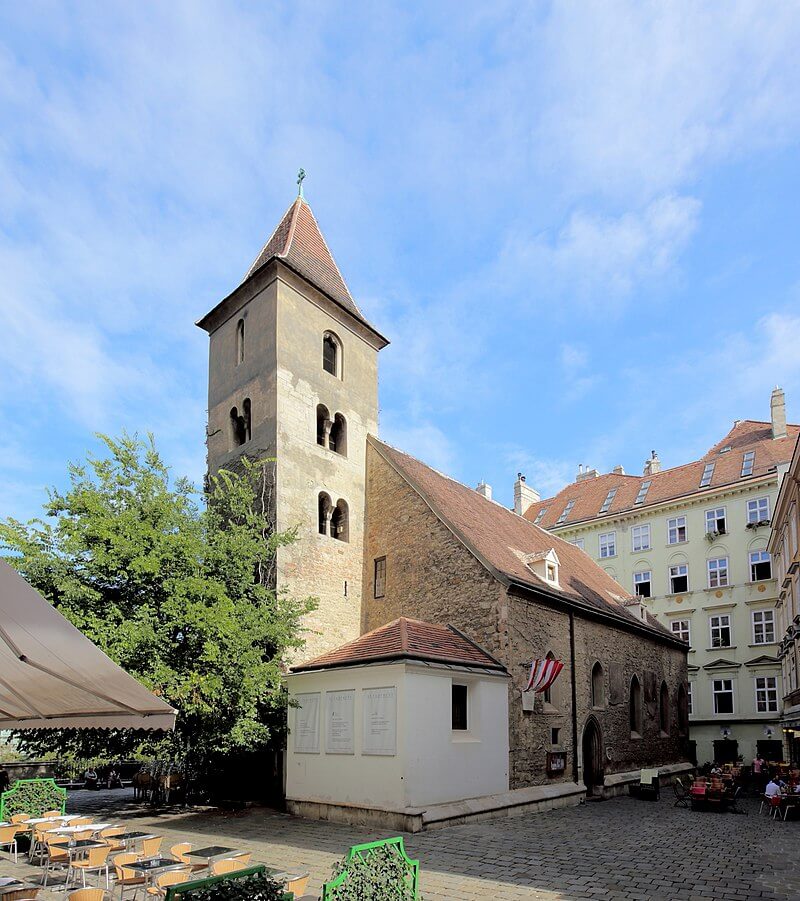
407, 639
680, 481
503, 541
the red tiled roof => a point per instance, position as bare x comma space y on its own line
407, 639
680, 481
298, 241
504, 541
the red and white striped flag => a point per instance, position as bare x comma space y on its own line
544, 673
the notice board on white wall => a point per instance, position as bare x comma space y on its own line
380, 721
339, 712
306, 723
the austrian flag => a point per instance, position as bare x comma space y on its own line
543, 674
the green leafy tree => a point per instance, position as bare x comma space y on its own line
176, 590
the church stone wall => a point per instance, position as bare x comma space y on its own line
430, 575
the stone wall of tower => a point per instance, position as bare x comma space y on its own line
320, 565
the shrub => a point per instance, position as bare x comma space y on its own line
379, 871
32, 796
258, 887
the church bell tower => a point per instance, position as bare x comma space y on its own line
293, 374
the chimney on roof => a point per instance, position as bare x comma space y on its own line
524, 495
652, 465
585, 473
777, 409
618, 471
485, 490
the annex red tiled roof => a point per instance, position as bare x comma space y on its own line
504, 541
680, 481
407, 639
298, 241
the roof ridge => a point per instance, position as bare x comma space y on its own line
266, 244
292, 226
403, 633
333, 258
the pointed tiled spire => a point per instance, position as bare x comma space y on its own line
298, 241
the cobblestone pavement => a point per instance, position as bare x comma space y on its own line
615, 849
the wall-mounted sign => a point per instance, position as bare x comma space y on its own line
380, 721
339, 706
306, 723
556, 763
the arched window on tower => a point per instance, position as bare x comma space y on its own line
247, 416
323, 513
635, 707
338, 436
663, 710
332, 354
238, 428
340, 523
240, 342
598, 688
323, 425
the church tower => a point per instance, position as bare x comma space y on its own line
293, 374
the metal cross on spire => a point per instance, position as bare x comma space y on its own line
300, 177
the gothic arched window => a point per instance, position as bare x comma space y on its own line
332, 354
598, 689
340, 521
240, 341
238, 428
635, 706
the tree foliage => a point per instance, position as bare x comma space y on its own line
177, 590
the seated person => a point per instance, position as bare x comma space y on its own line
90, 778
772, 788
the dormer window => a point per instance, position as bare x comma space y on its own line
565, 512
642, 493
545, 564
609, 500
540, 516
708, 473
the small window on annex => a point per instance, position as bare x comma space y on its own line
332, 354
459, 707
380, 577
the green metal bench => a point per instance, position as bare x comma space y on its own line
185, 888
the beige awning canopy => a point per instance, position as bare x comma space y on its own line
53, 677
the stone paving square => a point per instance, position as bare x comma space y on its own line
617, 849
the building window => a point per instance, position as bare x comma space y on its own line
758, 510
681, 629
676, 530
380, 577
459, 707
642, 584
640, 538
240, 342
598, 689
565, 512
678, 578
579, 542
663, 710
720, 626
547, 694
766, 694
609, 500
635, 707
722, 691
240, 424
642, 493
682, 710
689, 698
554, 735
748, 460
608, 544
717, 572
323, 425
323, 513
332, 354
715, 521
338, 436
340, 523
708, 473
763, 627
550, 573
760, 566
540, 516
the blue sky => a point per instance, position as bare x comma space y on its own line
577, 222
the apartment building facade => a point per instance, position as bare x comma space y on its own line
692, 542
785, 549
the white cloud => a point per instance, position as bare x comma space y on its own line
423, 440
545, 475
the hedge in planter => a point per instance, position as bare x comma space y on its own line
232, 887
32, 796
376, 871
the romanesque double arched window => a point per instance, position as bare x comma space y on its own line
331, 431
333, 519
241, 427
